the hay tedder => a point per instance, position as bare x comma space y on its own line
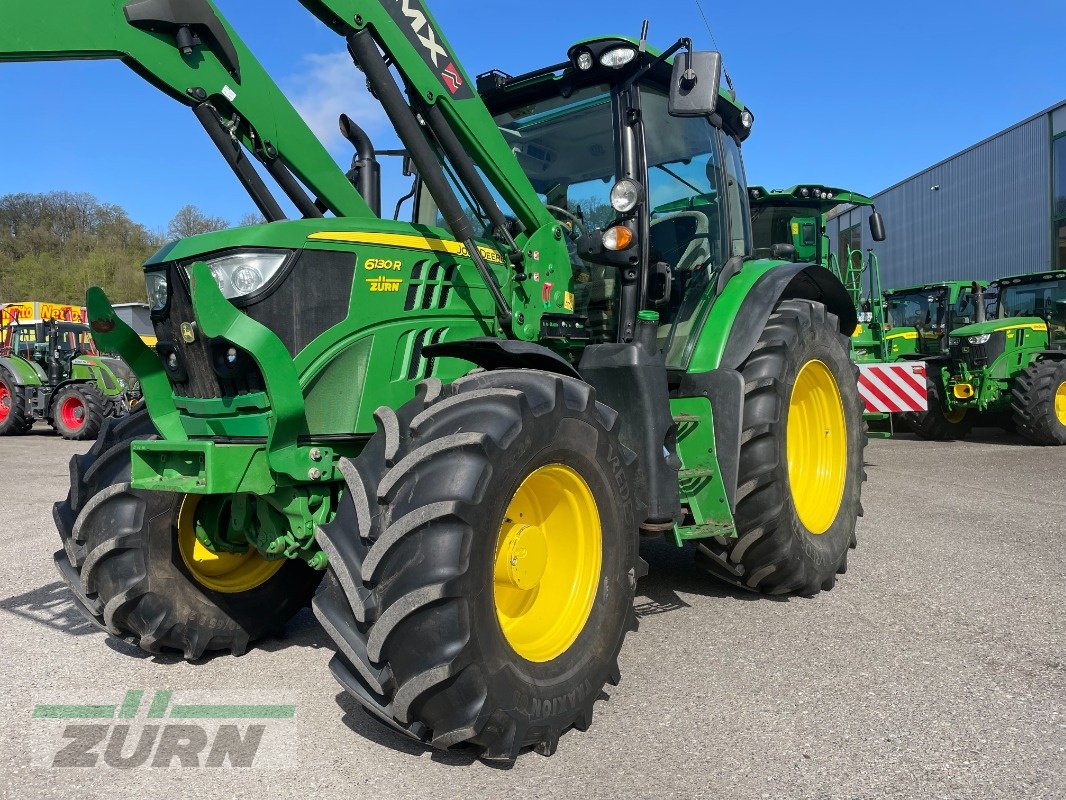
450, 433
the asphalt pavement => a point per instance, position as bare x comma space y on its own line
935, 669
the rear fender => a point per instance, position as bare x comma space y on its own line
21, 371
740, 312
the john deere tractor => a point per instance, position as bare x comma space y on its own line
1007, 370
452, 432
50, 370
791, 223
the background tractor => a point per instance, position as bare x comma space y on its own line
50, 370
456, 433
1007, 370
791, 223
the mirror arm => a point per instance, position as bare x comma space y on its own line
684, 43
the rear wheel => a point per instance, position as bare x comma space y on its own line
136, 568
78, 411
483, 563
801, 459
14, 418
1039, 405
937, 424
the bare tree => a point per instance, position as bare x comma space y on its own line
191, 221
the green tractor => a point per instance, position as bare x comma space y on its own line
50, 370
453, 432
791, 223
919, 319
1008, 369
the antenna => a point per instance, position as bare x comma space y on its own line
707, 23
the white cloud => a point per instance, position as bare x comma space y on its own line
328, 86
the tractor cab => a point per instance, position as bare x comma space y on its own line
651, 194
919, 318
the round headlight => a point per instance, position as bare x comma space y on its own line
805, 192
584, 61
618, 57
247, 280
746, 119
156, 282
625, 195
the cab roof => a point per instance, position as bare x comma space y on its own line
814, 196
501, 91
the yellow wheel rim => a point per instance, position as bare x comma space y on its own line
817, 447
230, 573
547, 564
956, 416
1060, 403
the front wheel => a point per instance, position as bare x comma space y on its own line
483, 563
1039, 406
136, 568
938, 424
801, 459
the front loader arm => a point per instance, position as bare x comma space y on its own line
186, 49
411, 38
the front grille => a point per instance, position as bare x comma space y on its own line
202, 380
972, 355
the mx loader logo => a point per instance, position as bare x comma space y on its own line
412, 18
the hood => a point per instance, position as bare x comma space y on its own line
1005, 324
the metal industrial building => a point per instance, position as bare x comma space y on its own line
997, 208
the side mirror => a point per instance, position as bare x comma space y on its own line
783, 252
877, 227
694, 85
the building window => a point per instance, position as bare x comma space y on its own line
1058, 184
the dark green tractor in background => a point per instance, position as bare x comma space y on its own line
51, 370
453, 431
1007, 370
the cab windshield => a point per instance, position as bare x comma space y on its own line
919, 309
76, 339
772, 225
1043, 299
566, 148
1038, 299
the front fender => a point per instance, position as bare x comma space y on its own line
737, 318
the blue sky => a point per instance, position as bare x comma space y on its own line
855, 94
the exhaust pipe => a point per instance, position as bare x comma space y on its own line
979, 301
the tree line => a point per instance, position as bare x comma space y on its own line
54, 246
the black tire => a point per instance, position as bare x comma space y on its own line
411, 563
1036, 392
17, 421
120, 560
775, 552
93, 410
935, 425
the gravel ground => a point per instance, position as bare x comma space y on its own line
935, 669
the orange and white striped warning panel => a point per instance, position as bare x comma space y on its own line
893, 388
